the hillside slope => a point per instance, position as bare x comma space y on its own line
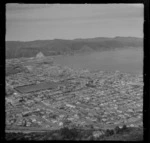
16, 49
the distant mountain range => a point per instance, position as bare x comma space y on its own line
17, 49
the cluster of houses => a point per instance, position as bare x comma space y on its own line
100, 99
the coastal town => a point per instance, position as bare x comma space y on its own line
49, 97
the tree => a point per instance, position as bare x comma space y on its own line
124, 127
117, 129
109, 132
69, 133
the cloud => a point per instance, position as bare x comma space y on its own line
52, 20
137, 5
80, 13
20, 7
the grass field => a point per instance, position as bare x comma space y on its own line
36, 87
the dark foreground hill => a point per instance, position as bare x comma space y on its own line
124, 134
16, 49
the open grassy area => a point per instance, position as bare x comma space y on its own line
36, 87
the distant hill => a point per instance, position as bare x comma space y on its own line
86, 49
16, 49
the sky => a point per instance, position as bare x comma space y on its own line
27, 22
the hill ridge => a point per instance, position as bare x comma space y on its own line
16, 49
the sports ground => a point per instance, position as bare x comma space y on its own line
36, 87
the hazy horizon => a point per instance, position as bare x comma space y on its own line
65, 39
30, 22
